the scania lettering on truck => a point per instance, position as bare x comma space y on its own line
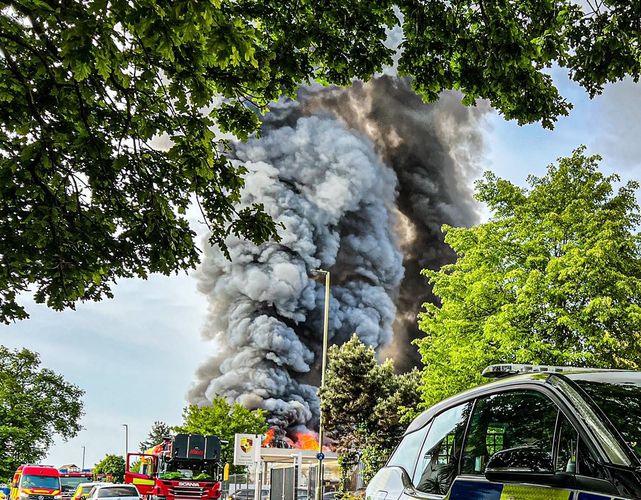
36, 482
182, 467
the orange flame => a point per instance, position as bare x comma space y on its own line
269, 436
305, 441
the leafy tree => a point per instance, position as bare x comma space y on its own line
113, 465
35, 405
158, 431
224, 420
366, 406
553, 277
87, 196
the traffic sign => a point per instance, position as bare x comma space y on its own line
320, 455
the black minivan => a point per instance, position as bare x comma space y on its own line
547, 433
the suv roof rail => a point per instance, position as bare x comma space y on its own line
506, 369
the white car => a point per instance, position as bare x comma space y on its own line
119, 491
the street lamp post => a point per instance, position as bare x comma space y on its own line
319, 476
83, 458
126, 439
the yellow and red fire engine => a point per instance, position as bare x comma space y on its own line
36, 482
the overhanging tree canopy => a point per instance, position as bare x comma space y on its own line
554, 277
86, 196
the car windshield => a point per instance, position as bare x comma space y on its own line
71, 483
117, 491
49, 482
618, 395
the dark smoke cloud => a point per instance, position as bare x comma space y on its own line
362, 179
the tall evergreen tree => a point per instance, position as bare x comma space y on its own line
156, 434
366, 406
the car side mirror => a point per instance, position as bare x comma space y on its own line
526, 463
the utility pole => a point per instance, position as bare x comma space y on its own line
320, 455
126, 440
83, 458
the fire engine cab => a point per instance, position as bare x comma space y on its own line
182, 467
71, 477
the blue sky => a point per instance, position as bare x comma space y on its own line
135, 355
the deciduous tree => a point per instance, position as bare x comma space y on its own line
113, 465
87, 193
224, 420
553, 277
35, 405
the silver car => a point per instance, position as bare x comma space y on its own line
115, 491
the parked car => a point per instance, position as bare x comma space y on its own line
83, 489
549, 433
120, 491
248, 494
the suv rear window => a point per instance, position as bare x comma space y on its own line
117, 491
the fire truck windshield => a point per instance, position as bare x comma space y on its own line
49, 482
195, 473
71, 483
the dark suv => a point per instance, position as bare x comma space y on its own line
549, 433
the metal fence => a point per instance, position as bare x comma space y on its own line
235, 482
283, 484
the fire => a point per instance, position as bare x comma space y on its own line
305, 440
300, 440
269, 436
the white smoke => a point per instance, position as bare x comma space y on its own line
361, 181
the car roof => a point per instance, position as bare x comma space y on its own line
110, 485
531, 378
38, 470
610, 376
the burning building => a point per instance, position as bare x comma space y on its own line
361, 180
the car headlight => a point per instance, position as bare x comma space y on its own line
57, 497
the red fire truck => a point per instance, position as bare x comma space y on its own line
182, 467
71, 477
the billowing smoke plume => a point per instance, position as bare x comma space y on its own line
362, 180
